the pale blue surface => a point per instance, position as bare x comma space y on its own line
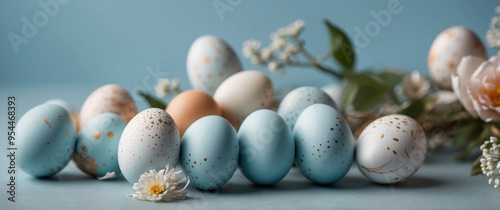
91, 43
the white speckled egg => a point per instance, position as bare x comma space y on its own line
243, 93
45, 140
108, 98
267, 148
446, 51
97, 144
390, 149
298, 100
324, 144
149, 141
209, 152
209, 62
71, 110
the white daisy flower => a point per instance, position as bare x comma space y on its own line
161, 186
490, 161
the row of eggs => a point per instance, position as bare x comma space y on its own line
306, 130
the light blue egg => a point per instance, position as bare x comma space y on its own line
324, 144
45, 140
267, 147
297, 100
97, 144
209, 152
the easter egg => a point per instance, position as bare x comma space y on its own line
97, 145
390, 149
267, 148
71, 110
210, 61
45, 140
209, 152
324, 144
149, 141
448, 49
243, 93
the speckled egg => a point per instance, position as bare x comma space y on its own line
97, 145
446, 51
243, 93
149, 141
190, 106
45, 140
297, 100
210, 61
108, 98
267, 148
71, 110
209, 152
390, 149
324, 144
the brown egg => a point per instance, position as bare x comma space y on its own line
190, 106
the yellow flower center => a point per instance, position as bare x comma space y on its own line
156, 189
494, 95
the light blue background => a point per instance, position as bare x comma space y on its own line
100, 42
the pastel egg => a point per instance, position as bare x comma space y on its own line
149, 141
71, 110
391, 149
97, 145
209, 152
243, 93
297, 100
210, 61
267, 148
108, 98
190, 106
324, 144
448, 49
45, 140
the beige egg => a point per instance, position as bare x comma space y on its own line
108, 98
243, 93
190, 106
446, 51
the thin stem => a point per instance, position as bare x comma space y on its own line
314, 61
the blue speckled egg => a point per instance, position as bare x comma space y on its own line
267, 148
97, 144
297, 100
209, 152
324, 144
45, 140
210, 61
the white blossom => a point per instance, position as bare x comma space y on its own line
266, 54
415, 86
490, 161
274, 66
163, 87
251, 47
493, 34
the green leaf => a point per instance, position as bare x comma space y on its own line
153, 101
371, 91
391, 78
349, 94
476, 167
413, 109
467, 133
341, 48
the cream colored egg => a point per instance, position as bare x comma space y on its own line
209, 62
149, 141
447, 50
391, 149
108, 98
243, 93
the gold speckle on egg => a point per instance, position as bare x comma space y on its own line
111, 135
46, 122
97, 135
